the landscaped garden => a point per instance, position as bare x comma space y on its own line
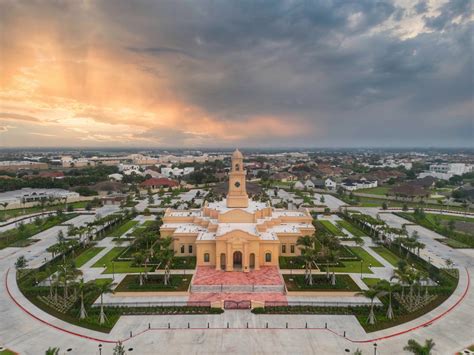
457, 228
386, 254
27, 230
132, 283
329, 226
320, 282
87, 255
356, 232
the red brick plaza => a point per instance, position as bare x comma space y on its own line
266, 276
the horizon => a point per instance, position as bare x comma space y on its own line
160, 75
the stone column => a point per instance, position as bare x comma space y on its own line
230, 259
245, 261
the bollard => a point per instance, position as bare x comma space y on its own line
207, 325
306, 326
286, 325
131, 334
227, 325
266, 325
247, 325
344, 333
168, 326
326, 325
188, 325
149, 326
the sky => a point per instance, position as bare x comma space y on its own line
342, 73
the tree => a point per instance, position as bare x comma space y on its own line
416, 348
20, 264
371, 293
307, 243
103, 288
119, 349
82, 287
52, 351
166, 256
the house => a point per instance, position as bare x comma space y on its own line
52, 174
115, 177
284, 177
309, 184
352, 185
330, 184
152, 173
299, 185
427, 182
409, 191
156, 183
318, 183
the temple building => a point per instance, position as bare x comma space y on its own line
236, 233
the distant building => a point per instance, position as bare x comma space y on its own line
352, 185
446, 171
52, 174
156, 183
116, 177
299, 185
170, 172
330, 184
284, 177
15, 165
26, 195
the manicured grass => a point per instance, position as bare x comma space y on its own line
371, 281
320, 283
356, 232
87, 255
348, 266
387, 255
364, 255
184, 262
124, 267
122, 229
103, 281
331, 227
131, 283
28, 230
379, 190
107, 258
7, 214
8, 352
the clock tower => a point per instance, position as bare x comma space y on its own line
237, 196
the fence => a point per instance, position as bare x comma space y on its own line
237, 288
321, 304
157, 304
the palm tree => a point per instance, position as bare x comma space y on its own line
138, 259
371, 293
52, 351
67, 272
307, 243
416, 348
166, 255
81, 287
103, 288
387, 286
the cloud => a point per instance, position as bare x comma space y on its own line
263, 73
17, 117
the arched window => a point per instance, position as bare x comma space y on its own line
182, 249
268, 257
283, 248
237, 167
206, 257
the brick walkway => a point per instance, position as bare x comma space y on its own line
255, 296
267, 275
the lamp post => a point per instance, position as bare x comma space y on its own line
375, 348
184, 269
291, 267
113, 270
100, 349
361, 262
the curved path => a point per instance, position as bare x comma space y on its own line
28, 330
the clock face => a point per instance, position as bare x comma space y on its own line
237, 184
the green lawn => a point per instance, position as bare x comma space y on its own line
7, 214
320, 283
102, 281
387, 255
371, 281
349, 267
356, 232
28, 230
364, 255
331, 227
107, 258
122, 229
87, 255
379, 190
124, 267
8, 352
155, 283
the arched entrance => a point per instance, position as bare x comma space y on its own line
237, 260
223, 261
252, 261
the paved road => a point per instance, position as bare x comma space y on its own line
23, 333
